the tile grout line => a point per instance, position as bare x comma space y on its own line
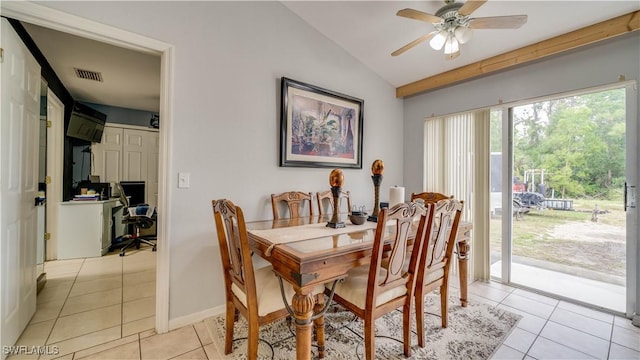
198, 336
93, 292
584, 332
188, 351
511, 292
62, 307
613, 325
538, 335
548, 320
73, 354
590, 309
569, 347
74, 280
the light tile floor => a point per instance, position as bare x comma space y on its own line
92, 301
601, 294
102, 308
553, 329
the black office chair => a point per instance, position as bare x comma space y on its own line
140, 217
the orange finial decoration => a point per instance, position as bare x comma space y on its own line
336, 178
377, 168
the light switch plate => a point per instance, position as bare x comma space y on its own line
183, 180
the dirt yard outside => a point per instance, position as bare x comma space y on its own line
571, 238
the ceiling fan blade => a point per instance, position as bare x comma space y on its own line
498, 22
415, 42
452, 56
470, 6
419, 15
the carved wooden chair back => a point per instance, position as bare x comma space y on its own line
435, 259
296, 201
234, 248
430, 197
325, 202
253, 293
371, 291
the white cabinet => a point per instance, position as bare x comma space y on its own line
129, 153
84, 228
107, 156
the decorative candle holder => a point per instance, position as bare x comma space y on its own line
336, 178
377, 168
335, 223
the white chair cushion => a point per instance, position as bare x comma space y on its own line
433, 274
268, 291
354, 287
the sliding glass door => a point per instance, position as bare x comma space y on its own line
559, 222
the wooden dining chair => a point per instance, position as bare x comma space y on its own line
435, 259
325, 201
295, 201
425, 198
370, 291
430, 197
254, 293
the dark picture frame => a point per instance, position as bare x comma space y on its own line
319, 127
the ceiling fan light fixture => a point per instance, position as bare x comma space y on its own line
437, 42
463, 34
454, 25
451, 45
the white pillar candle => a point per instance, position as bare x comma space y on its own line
396, 195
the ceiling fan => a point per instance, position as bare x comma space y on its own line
454, 25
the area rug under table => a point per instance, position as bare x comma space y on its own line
474, 332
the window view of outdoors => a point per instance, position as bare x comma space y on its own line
568, 183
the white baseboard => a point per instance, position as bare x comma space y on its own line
195, 317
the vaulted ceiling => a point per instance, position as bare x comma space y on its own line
369, 30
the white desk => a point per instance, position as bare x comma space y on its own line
84, 227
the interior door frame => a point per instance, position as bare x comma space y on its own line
54, 19
55, 136
632, 169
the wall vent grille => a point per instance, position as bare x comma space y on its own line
88, 74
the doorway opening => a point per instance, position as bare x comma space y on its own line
43, 16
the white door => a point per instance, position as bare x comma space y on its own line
134, 156
108, 155
19, 120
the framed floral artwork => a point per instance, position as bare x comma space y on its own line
319, 127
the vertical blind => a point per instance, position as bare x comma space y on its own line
448, 157
453, 168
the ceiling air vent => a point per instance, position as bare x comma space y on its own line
88, 74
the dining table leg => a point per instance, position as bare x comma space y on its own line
463, 260
302, 305
318, 324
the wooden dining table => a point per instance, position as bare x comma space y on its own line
306, 253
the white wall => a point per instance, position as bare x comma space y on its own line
229, 58
598, 64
